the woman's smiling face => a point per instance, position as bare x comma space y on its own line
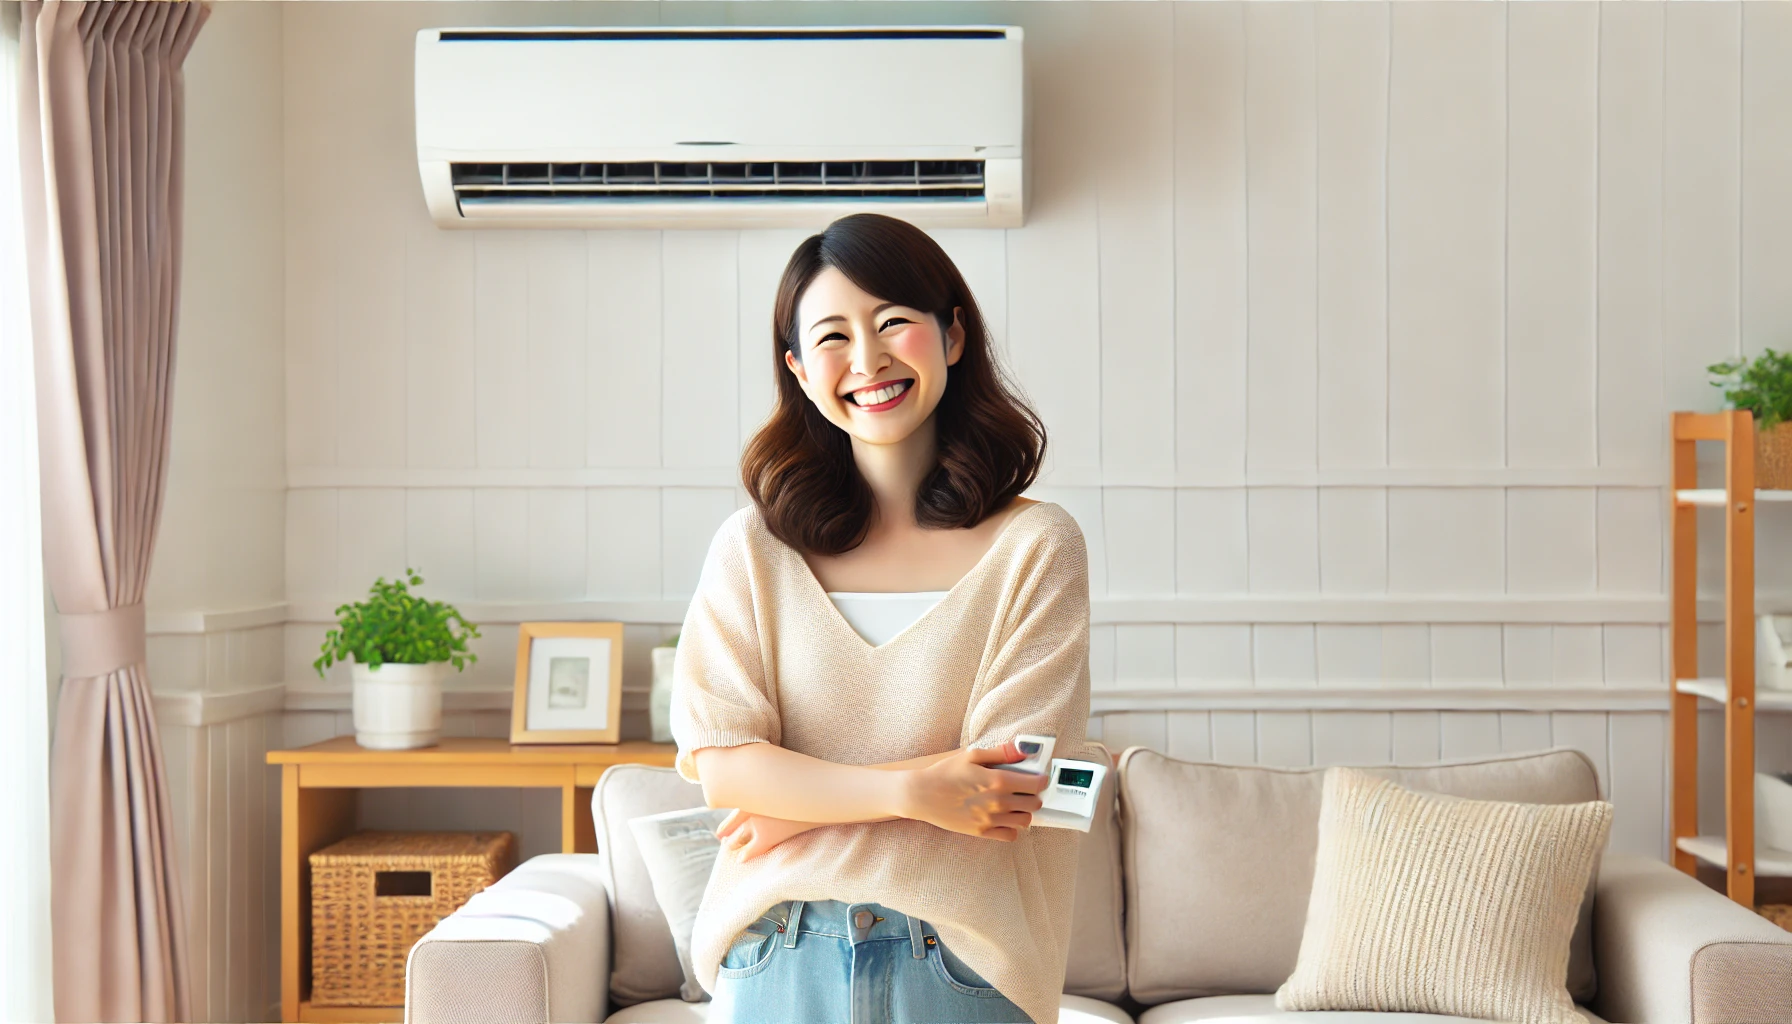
876, 369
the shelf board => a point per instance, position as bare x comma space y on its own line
1769, 862
350, 1014
1715, 690
1716, 495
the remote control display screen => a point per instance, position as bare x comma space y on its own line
1077, 777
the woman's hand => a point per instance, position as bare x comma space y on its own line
963, 793
752, 834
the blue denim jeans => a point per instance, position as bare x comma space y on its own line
828, 962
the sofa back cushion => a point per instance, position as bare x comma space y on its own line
1219, 861
645, 960
1097, 965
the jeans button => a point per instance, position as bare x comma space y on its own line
862, 919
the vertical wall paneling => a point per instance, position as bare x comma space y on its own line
1234, 737
557, 531
504, 390
1213, 654
1131, 49
1351, 110
1352, 737
1551, 234
1766, 221
1639, 758
439, 539
441, 380
1283, 655
1353, 539
557, 282
1284, 539
699, 415
622, 546
623, 339
1136, 521
1701, 196
501, 539
370, 325
1188, 735
1550, 545
1446, 539
1281, 200
1469, 734
1212, 541
1285, 738
1446, 235
1632, 411
370, 537
1212, 318
763, 254
1145, 655
691, 517
1054, 265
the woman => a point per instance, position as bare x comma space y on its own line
866, 640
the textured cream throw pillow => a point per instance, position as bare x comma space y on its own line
1435, 904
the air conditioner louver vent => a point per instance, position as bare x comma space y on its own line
933, 180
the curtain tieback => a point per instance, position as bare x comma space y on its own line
99, 643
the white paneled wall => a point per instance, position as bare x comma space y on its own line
1354, 326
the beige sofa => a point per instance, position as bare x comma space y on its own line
1191, 894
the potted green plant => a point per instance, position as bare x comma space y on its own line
659, 698
1763, 386
401, 646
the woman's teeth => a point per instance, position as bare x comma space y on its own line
881, 395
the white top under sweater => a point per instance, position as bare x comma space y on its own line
766, 656
878, 617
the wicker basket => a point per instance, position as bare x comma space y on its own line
374, 894
1773, 457
1778, 913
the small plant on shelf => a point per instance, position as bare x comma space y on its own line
1763, 386
400, 646
395, 625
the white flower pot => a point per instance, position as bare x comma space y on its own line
659, 698
398, 707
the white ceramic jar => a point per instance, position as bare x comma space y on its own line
398, 707
659, 698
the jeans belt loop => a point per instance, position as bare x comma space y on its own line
915, 941
790, 923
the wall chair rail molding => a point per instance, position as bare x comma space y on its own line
335, 477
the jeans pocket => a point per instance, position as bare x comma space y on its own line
750, 951
958, 974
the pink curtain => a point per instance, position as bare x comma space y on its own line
101, 145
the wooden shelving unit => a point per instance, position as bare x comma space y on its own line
1734, 850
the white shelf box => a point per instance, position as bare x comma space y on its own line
1769, 862
1715, 690
1715, 496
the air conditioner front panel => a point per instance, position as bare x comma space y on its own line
602, 96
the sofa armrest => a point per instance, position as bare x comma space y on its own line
1669, 948
533, 946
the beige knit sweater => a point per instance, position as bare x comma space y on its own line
765, 655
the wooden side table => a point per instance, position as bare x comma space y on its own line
319, 786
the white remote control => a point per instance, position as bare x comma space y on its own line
1069, 802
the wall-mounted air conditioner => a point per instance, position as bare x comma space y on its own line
721, 127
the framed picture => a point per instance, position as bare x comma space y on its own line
568, 683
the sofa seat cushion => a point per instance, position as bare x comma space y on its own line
1071, 1010
1261, 1009
1219, 862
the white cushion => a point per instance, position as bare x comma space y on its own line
1261, 1009
1072, 1010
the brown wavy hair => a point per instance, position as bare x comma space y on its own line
799, 468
